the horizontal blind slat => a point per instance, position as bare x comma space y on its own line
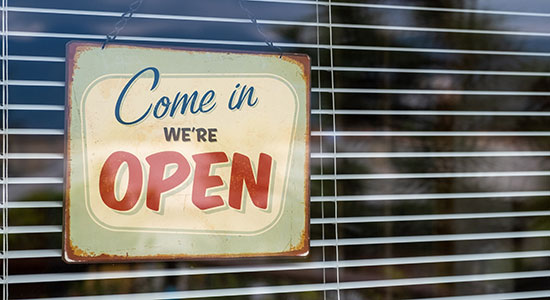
500, 296
33, 204
432, 113
42, 131
428, 217
429, 92
405, 7
338, 90
22, 254
44, 107
429, 154
411, 112
77, 276
58, 180
430, 238
33, 58
33, 180
355, 241
32, 131
428, 175
31, 229
45, 253
337, 68
274, 22
278, 44
33, 156
389, 197
350, 154
33, 83
428, 133
348, 112
429, 71
314, 221
319, 286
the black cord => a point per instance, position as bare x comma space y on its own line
122, 22
254, 21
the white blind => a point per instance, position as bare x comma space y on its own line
430, 148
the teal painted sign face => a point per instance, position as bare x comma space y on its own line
178, 153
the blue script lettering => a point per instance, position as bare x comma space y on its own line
125, 89
245, 93
164, 105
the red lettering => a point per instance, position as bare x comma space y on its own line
107, 179
157, 184
204, 181
241, 171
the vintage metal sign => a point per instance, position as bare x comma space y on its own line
179, 153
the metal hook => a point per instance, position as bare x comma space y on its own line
259, 29
124, 18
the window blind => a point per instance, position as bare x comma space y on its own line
430, 145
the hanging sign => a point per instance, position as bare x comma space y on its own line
177, 153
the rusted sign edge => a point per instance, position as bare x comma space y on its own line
69, 251
67, 254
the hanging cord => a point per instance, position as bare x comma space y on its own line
335, 148
122, 22
5, 150
320, 103
254, 21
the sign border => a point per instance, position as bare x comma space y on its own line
70, 254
